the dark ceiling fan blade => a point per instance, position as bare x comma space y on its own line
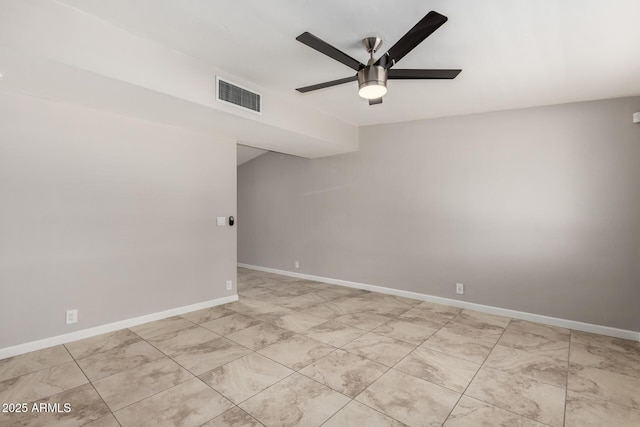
327, 84
324, 47
400, 74
375, 101
423, 29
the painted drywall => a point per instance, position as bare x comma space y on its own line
113, 216
51, 50
535, 210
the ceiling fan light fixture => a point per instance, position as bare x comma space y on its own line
372, 82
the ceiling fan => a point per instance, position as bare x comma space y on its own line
372, 78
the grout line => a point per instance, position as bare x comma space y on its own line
566, 388
92, 385
476, 374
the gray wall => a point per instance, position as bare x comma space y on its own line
536, 210
110, 215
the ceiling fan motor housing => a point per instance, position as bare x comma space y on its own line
372, 78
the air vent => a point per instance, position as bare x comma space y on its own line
233, 94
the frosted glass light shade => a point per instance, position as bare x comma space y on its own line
373, 90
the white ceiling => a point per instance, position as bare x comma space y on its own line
513, 53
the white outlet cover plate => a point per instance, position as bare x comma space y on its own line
459, 288
72, 316
229, 285
221, 221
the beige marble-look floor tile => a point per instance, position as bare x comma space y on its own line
409, 302
583, 411
298, 322
431, 314
263, 293
345, 372
355, 414
524, 396
536, 338
295, 401
414, 402
230, 324
362, 320
608, 358
208, 314
103, 364
329, 293
190, 403
244, 377
387, 308
234, 417
334, 333
86, 406
172, 343
87, 347
439, 368
160, 327
271, 309
270, 312
132, 385
107, 421
478, 325
413, 333
605, 385
276, 299
209, 355
43, 383
379, 348
302, 302
467, 348
348, 292
245, 305
471, 412
198, 349
351, 303
290, 290
542, 368
34, 361
297, 351
617, 344
327, 310
260, 336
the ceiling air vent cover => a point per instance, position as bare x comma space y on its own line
233, 94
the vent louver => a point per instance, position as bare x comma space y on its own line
239, 96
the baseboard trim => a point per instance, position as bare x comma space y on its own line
110, 327
538, 318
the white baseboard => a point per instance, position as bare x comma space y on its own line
109, 327
538, 318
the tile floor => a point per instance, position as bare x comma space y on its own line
295, 352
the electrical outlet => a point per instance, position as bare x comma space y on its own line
459, 288
229, 285
297, 264
72, 316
